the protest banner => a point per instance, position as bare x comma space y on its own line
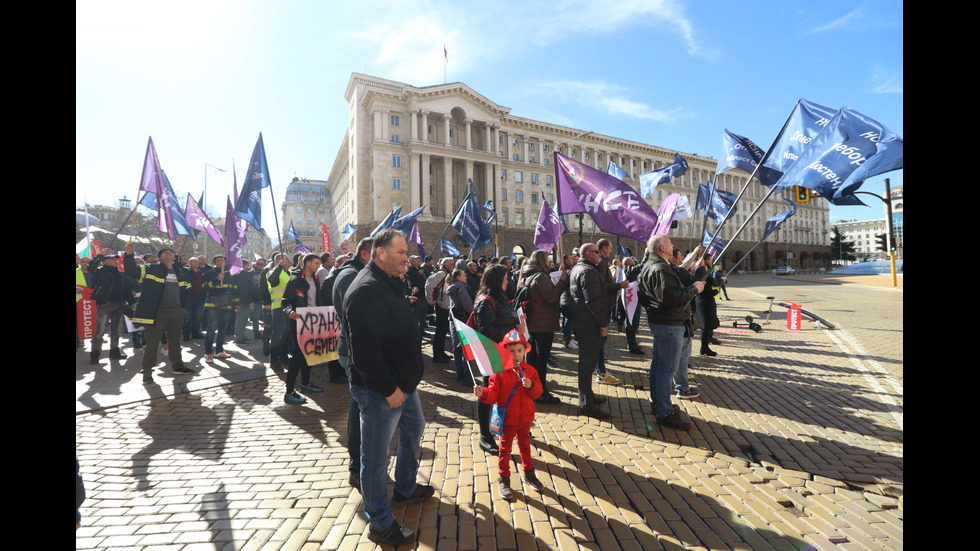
317, 331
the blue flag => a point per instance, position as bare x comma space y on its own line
849, 150
712, 243
447, 247
407, 222
493, 214
622, 250
616, 171
300, 247
388, 221
248, 207
470, 225
348, 231
650, 180
721, 202
804, 123
742, 153
704, 195
778, 219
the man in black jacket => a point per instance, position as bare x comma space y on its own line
385, 369
302, 291
110, 294
248, 297
668, 309
162, 307
590, 318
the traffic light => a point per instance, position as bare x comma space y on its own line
802, 194
882, 242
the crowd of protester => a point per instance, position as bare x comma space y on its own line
387, 303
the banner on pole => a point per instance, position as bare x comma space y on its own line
85, 310
317, 331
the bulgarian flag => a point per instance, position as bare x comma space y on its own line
489, 356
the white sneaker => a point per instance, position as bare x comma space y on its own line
572, 345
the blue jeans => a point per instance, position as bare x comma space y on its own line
566, 324
378, 424
680, 376
195, 309
668, 341
214, 337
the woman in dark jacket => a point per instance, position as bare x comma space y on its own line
494, 317
542, 313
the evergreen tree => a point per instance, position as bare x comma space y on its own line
841, 248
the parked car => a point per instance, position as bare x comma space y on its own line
783, 270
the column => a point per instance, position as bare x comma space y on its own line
445, 125
449, 204
469, 137
415, 127
425, 127
415, 183
487, 144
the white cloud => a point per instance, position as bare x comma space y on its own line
884, 81
610, 99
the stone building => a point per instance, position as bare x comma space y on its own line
408, 146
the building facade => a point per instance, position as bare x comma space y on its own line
307, 205
408, 146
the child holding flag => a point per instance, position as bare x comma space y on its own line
518, 382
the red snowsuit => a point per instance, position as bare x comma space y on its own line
520, 412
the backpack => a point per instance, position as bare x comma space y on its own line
523, 298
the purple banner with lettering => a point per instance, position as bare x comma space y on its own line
616, 207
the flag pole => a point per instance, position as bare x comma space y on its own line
275, 214
747, 182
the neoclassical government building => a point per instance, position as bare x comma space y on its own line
410, 146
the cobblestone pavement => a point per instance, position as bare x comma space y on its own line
797, 443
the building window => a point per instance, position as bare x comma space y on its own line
548, 180
503, 194
534, 198
544, 148
519, 196
396, 161
394, 137
503, 173
396, 183
534, 178
518, 177
519, 218
394, 120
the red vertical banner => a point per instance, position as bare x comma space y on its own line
85, 310
325, 237
794, 317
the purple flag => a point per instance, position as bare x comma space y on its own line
198, 220
152, 181
615, 207
416, 237
666, 213
233, 251
234, 237
548, 231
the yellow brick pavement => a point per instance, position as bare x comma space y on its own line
792, 448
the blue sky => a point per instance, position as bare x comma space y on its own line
204, 78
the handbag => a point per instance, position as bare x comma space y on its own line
499, 412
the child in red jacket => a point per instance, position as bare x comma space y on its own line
520, 410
